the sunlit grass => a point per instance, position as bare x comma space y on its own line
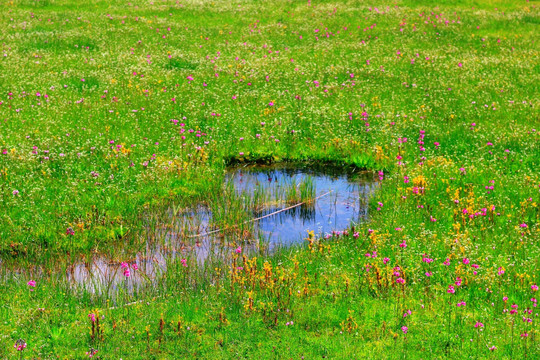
118, 122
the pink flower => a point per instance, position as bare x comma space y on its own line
238, 250
32, 284
20, 345
184, 262
451, 289
478, 325
404, 329
466, 261
534, 287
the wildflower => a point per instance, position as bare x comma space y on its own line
20, 345
534, 287
514, 309
451, 289
31, 284
70, 231
238, 250
184, 262
15, 192
466, 261
404, 329
91, 352
92, 317
478, 325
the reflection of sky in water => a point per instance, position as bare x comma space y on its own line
332, 211
344, 201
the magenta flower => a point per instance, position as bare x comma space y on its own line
31, 284
20, 345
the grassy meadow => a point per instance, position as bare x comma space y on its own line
115, 114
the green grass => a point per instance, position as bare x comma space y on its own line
98, 151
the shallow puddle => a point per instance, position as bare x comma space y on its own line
338, 200
278, 205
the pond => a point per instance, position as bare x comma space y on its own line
267, 208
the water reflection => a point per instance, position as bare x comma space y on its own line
193, 237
